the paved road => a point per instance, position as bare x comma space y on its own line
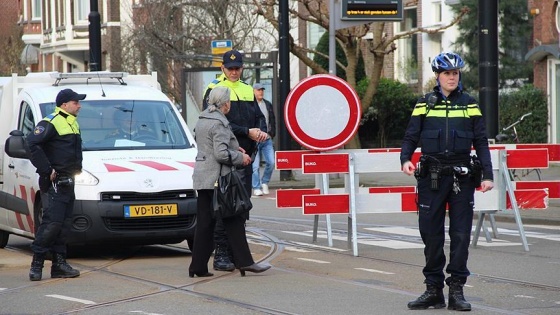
306, 278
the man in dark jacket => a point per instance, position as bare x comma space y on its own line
249, 127
266, 148
448, 122
55, 147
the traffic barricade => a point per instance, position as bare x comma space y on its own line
353, 199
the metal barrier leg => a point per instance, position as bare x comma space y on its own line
493, 224
349, 239
315, 227
477, 228
486, 233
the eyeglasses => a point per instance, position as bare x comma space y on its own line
234, 69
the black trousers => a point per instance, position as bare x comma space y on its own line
203, 240
56, 220
431, 208
220, 235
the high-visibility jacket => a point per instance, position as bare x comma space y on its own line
56, 143
244, 113
447, 128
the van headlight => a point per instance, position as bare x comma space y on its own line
85, 178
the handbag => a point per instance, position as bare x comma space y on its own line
230, 196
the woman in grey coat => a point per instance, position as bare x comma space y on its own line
216, 143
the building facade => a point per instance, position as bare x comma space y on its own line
545, 55
57, 31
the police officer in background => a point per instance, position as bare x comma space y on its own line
249, 127
55, 147
448, 122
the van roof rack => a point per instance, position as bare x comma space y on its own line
89, 75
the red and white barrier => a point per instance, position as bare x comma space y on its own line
352, 199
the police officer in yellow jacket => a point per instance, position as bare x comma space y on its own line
448, 122
55, 148
249, 127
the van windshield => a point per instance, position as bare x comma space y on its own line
121, 124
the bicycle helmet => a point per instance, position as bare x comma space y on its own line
447, 61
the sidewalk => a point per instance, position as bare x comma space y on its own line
549, 216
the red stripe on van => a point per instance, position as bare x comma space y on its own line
191, 164
158, 166
115, 168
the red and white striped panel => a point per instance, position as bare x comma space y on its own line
24, 222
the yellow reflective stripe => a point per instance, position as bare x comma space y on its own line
419, 109
474, 110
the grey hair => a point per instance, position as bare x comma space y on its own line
218, 97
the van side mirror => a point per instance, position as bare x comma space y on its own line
15, 145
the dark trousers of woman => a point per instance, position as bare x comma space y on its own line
203, 236
432, 204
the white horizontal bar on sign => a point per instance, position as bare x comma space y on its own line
360, 190
488, 200
377, 162
379, 203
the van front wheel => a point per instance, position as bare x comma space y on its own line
4, 238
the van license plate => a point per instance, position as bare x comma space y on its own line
134, 211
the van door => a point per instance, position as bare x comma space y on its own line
21, 179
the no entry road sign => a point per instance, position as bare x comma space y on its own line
322, 112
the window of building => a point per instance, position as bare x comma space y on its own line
407, 47
436, 11
36, 9
81, 11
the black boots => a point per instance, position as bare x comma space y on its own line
36, 271
456, 298
222, 260
432, 297
61, 269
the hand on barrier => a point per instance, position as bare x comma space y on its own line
486, 185
408, 168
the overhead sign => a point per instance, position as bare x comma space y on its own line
219, 47
322, 112
372, 10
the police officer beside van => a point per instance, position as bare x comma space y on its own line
55, 148
447, 122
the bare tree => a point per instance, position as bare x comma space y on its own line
10, 58
350, 39
169, 35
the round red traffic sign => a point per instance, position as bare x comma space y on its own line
322, 112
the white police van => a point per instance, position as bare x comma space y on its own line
132, 190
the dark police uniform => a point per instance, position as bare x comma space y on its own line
446, 128
56, 144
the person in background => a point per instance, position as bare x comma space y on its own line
266, 148
55, 148
449, 123
217, 145
249, 127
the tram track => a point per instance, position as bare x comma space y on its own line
276, 247
293, 224
274, 250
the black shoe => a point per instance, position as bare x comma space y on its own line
61, 269
222, 261
256, 268
457, 300
36, 270
200, 274
433, 296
